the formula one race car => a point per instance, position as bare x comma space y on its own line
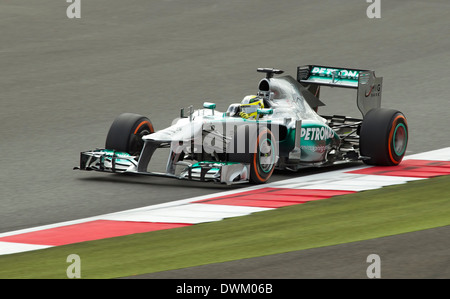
277, 128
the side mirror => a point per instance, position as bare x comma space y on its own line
265, 111
209, 105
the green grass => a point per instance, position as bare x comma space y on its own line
365, 215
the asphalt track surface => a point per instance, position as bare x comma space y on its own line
63, 81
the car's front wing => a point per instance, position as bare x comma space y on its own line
105, 160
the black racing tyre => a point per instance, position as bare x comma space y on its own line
260, 152
383, 137
126, 132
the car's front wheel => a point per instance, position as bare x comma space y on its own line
126, 132
260, 152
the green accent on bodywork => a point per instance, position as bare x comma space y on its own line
266, 111
311, 149
311, 136
338, 75
120, 157
117, 154
314, 132
196, 165
209, 105
337, 80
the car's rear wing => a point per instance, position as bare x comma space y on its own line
369, 87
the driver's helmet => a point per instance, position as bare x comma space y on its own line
250, 105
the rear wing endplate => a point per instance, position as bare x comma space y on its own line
368, 85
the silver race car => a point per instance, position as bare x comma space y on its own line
276, 128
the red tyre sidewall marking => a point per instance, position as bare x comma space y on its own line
391, 133
143, 123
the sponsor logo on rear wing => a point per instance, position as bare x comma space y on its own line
331, 76
369, 87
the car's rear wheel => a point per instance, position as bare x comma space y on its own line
383, 137
126, 132
260, 152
